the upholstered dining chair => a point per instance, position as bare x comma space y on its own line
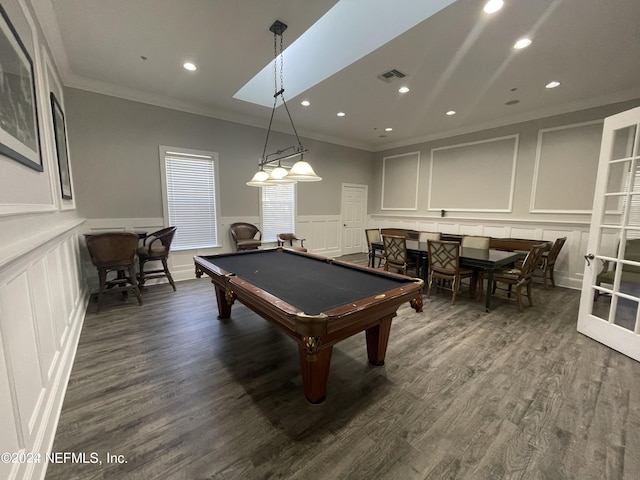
395, 254
424, 237
520, 278
245, 236
283, 238
156, 247
476, 241
114, 252
444, 265
549, 261
481, 243
373, 236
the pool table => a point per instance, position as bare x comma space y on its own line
315, 300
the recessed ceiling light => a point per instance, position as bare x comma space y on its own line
305, 103
553, 84
341, 114
403, 89
388, 129
522, 43
492, 6
189, 66
451, 112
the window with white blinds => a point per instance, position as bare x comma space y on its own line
191, 199
634, 205
277, 207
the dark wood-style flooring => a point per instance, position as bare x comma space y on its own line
464, 394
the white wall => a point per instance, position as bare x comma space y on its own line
42, 289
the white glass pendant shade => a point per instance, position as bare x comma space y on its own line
279, 176
302, 172
278, 173
258, 179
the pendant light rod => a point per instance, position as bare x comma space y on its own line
301, 170
299, 151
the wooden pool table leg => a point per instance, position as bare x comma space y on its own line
377, 340
315, 372
225, 299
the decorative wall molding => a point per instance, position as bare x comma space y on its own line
462, 174
43, 301
14, 252
556, 164
398, 193
322, 233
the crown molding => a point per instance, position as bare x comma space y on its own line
609, 99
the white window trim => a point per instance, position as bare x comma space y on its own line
163, 151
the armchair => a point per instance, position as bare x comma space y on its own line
291, 237
156, 247
245, 236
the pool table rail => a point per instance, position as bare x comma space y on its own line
316, 334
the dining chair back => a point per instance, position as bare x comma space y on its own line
426, 236
476, 241
395, 253
373, 236
549, 261
444, 265
520, 278
114, 252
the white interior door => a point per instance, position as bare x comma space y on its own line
354, 211
614, 241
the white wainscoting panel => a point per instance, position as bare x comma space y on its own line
56, 291
42, 306
322, 233
471, 230
17, 324
46, 332
497, 231
9, 441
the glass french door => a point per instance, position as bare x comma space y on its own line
610, 302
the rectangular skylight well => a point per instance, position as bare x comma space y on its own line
331, 44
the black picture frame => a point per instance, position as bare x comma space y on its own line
19, 132
60, 134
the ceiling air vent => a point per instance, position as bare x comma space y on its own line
391, 75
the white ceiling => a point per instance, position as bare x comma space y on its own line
459, 59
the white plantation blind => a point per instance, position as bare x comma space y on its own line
634, 206
191, 201
278, 210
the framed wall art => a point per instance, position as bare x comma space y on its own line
19, 136
60, 134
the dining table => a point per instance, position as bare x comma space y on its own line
477, 258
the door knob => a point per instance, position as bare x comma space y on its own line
589, 257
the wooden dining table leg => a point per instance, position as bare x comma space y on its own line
487, 301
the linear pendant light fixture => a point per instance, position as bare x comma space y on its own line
301, 170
